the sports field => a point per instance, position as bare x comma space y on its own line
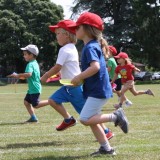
41, 141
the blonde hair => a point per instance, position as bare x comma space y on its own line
72, 37
128, 61
96, 34
104, 46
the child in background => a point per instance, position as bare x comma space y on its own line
96, 88
68, 66
126, 69
32, 74
112, 64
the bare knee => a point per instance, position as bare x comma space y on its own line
84, 123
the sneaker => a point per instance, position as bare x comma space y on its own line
103, 151
121, 121
128, 103
116, 106
31, 121
109, 135
149, 92
65, 125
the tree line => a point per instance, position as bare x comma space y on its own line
131, 26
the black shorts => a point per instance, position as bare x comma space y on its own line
119, 84
32, 99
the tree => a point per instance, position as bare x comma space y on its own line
130, 25
24, 22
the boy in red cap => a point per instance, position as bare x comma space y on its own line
112, 64
125, 69
68, 65
96, 88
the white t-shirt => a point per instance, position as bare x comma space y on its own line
69, 60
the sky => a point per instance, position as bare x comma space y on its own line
66, 4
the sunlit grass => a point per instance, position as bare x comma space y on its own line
41, 141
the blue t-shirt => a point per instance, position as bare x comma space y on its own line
98, 85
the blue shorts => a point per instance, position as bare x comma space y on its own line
74, 95
32, 99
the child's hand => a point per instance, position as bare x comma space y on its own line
13, 75
76, 81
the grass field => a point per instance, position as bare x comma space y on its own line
41, 141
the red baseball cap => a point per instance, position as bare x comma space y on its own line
91, 19
65, 25
121, 55
113, 50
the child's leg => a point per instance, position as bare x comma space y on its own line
100, 136
42, 104
29, 108
136, 93
59, 108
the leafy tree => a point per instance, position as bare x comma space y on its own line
147, 32
24, 22
130, 25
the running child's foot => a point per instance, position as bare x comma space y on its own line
128, 103
104, 152
65, 125
116, 106
31, 120
149, 92
121, 121
109, 135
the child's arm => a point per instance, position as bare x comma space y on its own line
136, 69
114, 78
90, 71
54, 70
20, 75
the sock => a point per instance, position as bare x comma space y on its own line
67, 120
106, 146
112, 117
106, 130
33, 116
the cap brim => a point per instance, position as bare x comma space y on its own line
52, 28
23, 49
116, 57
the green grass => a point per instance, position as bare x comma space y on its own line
42, 142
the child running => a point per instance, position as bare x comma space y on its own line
96, 88
32, 74
126, 69
68, 65
112, 64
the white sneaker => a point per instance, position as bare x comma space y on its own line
128, 103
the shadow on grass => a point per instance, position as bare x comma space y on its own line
60, 158
15, 123
30, 145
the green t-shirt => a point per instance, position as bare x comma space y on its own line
34, 85
112, 64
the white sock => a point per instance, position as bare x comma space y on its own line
106, 146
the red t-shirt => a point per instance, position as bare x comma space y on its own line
126, 72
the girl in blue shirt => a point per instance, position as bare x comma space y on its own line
96, 86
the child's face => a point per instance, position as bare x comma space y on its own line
121, 61
80, 33
62, 37
27, 57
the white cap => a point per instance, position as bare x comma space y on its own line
31, 48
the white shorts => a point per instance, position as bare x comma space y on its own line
92, 107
